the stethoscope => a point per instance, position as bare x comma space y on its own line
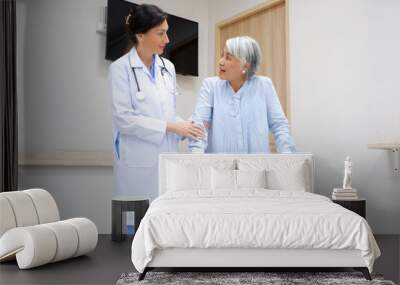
140, 94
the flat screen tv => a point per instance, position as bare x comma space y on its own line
182, 49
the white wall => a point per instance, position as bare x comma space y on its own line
343, 59
342, 72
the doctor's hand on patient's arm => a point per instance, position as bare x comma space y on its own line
186, 129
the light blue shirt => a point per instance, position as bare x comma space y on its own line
152, 69
240, 122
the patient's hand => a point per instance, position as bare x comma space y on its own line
186, 129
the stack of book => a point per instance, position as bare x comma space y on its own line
344, 194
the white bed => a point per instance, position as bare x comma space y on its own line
218, 210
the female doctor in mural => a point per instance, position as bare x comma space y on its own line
143, 90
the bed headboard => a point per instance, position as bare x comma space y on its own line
235, 160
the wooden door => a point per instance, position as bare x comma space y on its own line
267, 24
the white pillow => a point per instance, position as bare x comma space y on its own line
223, 179
291, 178
251, 178
228, 179
182, 177
282, 174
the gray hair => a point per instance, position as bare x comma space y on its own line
247, 50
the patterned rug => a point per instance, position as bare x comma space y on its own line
243, 278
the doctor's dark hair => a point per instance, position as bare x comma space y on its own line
141, 19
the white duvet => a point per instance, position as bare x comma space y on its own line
252, 218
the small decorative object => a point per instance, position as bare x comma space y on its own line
346, 192
130, 223
347, 174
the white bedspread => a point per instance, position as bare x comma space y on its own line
251, 218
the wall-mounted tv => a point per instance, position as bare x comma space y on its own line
182, 49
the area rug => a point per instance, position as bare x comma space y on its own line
243, 278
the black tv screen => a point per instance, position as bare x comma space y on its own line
182, 49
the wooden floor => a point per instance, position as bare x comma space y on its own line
111, 259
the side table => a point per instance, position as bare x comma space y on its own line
358, 206
121, 204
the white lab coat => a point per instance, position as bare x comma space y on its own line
140, 125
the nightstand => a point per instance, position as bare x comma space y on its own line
358, 206
121, 204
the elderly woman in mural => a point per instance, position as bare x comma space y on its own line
239, 108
